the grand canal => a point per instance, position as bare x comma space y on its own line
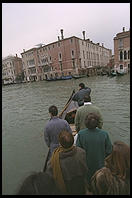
25, 112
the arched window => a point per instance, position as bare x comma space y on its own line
125, 55
121, 55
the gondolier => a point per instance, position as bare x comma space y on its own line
79, 96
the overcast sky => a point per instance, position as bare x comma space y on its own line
25, 25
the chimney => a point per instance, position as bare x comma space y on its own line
58, 38
83, 35
23, 50
62, 37
123, 29
102, 44
16, 55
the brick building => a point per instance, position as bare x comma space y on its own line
122, 50
11, 69
64, 57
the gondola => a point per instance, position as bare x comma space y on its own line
78, 76
68, 113
120, 73
59, 78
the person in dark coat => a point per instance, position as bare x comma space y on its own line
79, 96
38, 183
68, 166
95, 142
52, 129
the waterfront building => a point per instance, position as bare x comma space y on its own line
66, 56
122, 51
11, 69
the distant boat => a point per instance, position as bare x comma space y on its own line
120, 73
104, 73
113, 73
78, 76
59, 78
66, 77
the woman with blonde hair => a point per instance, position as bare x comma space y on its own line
114, 178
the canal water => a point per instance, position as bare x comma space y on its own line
25, 113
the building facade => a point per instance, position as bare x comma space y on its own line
11, 69
66, 56
122, 51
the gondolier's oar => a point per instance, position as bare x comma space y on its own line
68, 102
47, 158
71, 96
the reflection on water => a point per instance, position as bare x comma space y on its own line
25, 112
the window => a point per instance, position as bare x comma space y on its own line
83, 54
60, 56
56, 74
73, 64
71, 40
128, 54
72, 53
31, 62
61, 66
87, 55
120, 43
121, 55
125, 55
121, 66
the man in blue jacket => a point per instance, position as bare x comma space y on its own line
52, 129
79, 96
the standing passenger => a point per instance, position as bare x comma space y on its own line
52, 129
81, 113
68, 166
95, 142
114, 178
79, 96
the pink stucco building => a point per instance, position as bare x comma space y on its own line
66, 56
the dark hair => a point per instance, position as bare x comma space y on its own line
53, 110
87, 98
82, 85
66, 139
39, 183
91, 120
